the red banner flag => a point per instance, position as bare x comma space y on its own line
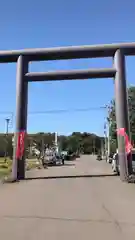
20, 144
128, 145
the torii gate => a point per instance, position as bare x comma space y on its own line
23, 57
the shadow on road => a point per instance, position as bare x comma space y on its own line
72, 176
66, 165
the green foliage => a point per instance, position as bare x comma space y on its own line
82, 142
112, 117
131, 101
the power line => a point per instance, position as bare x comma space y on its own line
6, 112
59, 111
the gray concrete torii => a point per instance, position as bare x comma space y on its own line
23, 57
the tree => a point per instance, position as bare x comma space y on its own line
63, 142
73, 143
112, 118
131, 102
80, 142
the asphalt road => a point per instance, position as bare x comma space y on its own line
52, 207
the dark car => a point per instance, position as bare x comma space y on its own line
99, 157
110, 158
71, 156
77, 155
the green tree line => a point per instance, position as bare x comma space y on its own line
85, 142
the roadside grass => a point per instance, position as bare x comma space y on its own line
31, 164
6, 167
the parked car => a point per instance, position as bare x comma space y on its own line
99, 157
110, 158
60, 158
71, 156
49, 158
115, 162
77, 154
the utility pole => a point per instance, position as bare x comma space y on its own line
7, 126
94, 146
56, 142
108, 139
42, 145
30, 147
109, 125
102, 148
105, 136
107, 131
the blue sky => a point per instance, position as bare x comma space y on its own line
33, 24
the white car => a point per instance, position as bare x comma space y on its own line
115, 162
